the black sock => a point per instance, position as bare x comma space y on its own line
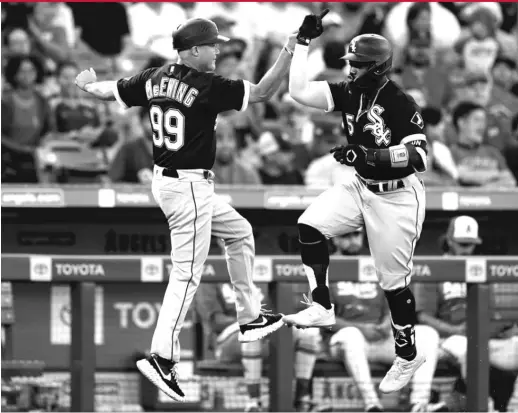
315, 254
402, 310
302, 389
254, 390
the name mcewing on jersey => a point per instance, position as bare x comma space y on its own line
173, 89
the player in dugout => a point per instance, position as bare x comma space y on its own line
362, 335
443, 307
215, 306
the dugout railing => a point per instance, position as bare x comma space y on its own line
279, 272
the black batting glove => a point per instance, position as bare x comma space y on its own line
311, 28
353, 155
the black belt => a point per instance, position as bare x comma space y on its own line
383, 186
173, 173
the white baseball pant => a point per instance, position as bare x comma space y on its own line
194, 213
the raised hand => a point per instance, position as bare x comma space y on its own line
85, 77
311, 28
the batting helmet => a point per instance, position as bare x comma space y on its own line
373, 49
196, 32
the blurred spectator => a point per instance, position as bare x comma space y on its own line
26, 119
17, 42
441, 166
506, 41
362, 335
373, 17
478, 164
297, 128
478, 45
443, 307
246, 124
324, 171
277, 162
358, 18
74, 115
134, 160
102, 27
280, 19
433, 176
505, 75
407, 22
229, 169
420, 72
499, 104
335, 65
419, 97
511, 150
227, 62
348, 244
151, 26
509, 17
236, 46
327, 134
15, 15
246, 25
52, 31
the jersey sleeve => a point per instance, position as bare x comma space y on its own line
336, 96
131, 91
226, 94
407, 123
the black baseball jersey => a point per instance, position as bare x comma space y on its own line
183, 105
388, 120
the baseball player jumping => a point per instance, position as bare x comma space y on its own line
386, 146
184, 100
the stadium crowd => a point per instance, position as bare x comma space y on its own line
458, 61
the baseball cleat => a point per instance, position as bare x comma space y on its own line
162, 373
313, 316
400, 373
264, 325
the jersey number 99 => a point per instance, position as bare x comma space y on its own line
168, 128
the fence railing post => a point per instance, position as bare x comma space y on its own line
478, 325
82, 351
281, 352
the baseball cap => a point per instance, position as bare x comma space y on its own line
464, 229
196, 32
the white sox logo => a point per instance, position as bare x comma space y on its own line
353, 46
378, 129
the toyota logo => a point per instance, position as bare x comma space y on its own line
261, 269
41, 269
369, 271
476, 271
151, 269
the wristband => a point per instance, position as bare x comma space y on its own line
288, 50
